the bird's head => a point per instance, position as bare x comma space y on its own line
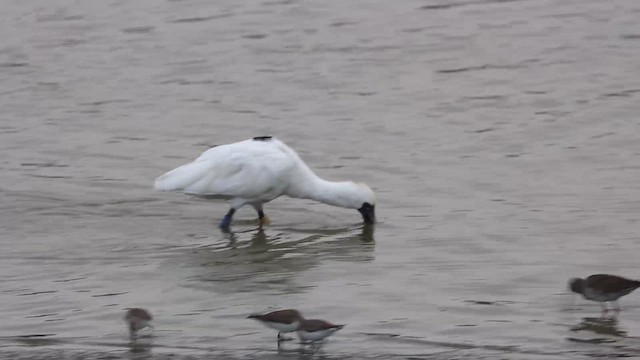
577, 285
366, 201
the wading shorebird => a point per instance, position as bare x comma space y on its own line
604, 288
256, 171
284, 321
137, 319
313, 330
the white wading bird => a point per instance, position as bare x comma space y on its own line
256, 171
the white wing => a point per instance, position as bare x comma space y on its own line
247, 169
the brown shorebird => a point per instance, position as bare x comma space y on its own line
313, 330
137, 319
282, 320
604, 288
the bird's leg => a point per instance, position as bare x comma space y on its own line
262, 218
226, 220
616, 308
132, 331
605, 310
282, 338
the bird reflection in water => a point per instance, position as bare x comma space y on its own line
274, 258
303, 351
260, 239
601, 326
138, 347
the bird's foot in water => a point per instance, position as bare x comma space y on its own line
264, 221
282, 338
225, 224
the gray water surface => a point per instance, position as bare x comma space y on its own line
501, 138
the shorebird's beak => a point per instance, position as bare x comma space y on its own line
368, 212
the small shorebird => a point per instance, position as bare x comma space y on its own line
137, 319
256, 171
282, 320
604, 288
313, 330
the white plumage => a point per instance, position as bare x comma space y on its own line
316, 335
283, 328
316, 329
258, 170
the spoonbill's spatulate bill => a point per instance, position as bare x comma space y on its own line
256, 171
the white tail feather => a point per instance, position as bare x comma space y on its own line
183, 177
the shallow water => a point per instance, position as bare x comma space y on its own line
500, 138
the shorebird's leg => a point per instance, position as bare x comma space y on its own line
132, 332
282, 338
226, 220
605, 310
616, 308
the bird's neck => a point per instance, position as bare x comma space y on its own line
336, 193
